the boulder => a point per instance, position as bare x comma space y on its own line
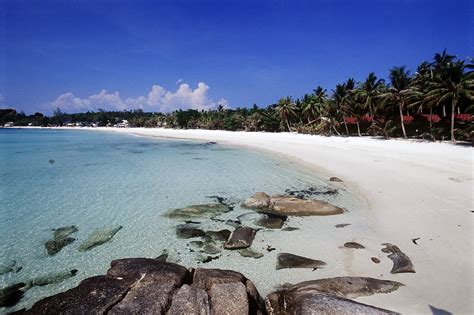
12, 294
54, 246
248, 252
229, 298
292, 206
99, 237
259, 200
401, 262
188, 231
206, 278
190, 300
285, 260
271, 221
242, 237
198, 211
354, 245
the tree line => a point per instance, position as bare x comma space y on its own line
435, 102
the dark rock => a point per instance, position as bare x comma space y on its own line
210, 249
205, 259
54, 246
259, 200
341, 225
218, 199
190, 300
206, 278
335, 179
354, 245
248, 252
11, 295
221, 235
401, 262
229, 298
64, 232
289, 229
314, 302
271, 221
51, 161
375, 260
53, 278
311, 192
187, 231
198, 211
270, 248
191, 222
285, 260
242, 237
99, 237
414, 240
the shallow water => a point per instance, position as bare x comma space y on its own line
99, 179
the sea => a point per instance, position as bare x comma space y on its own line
52, 178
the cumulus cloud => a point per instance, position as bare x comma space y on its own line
158, 99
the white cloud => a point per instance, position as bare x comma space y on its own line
158, 99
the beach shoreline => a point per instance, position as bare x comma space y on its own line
414, 190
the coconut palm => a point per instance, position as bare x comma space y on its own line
399, 91
369, 91
452, 84
286, 109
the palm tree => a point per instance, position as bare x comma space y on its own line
399, 91
369, 91
286, 109
452, 84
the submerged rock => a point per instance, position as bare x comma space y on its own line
290, 229
64, 231
198, 211
7, 266
188, 231
248, 252
242, 237
259, 200
271, 221
52, 278
285, 260
11, 295
54, 246
210, 249
190, 300
375, 260
99, 237
221, 235
354, 245
401, 262
312, 192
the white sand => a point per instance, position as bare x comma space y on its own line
413, 189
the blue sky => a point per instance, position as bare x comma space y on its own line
81, 55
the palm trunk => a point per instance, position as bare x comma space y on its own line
431, 123
453, 108
347, 129
358, 129
444, 110
288, 125
400, 106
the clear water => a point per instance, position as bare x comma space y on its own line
101, 179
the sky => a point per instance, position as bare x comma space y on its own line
166, 55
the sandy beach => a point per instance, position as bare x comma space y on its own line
414, 190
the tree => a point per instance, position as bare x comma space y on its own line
452, 84
370, 90
286, 109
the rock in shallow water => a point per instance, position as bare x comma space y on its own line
242, 237
271, 221
9, 265
11, 295
99, 237
401, 262
285, 260
198, 211
248, 252
354, 245
54, 246
64, 232
259, 200
188, 231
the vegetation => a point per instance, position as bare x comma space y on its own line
435, 102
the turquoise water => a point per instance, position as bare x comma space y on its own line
99, 179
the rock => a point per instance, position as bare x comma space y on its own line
187, 231
153, 283
354, 245
335, 179
52, 278
271, 221
206, 278
242, 237
51, 161
163, 256
375, 260
229, 298
198, 211
205, 258
54, 246
291, 206
64, 232
348, 287
11, 295
95, 295
317, 303
248, 252
7, 266
401, 262
289, 229
196, 245
311, 192
259, 200
221, 235
285, 260
190, 300
341, 225
99, 237
210, 249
